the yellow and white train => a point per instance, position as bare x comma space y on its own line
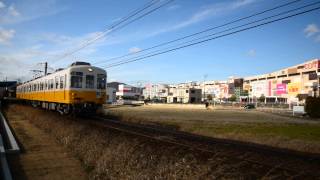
80, 87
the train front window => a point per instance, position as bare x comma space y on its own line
76, 79
101, 81
90, 81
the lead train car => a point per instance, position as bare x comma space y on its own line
78, 88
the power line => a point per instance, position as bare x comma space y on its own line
201, 32
115, 27
229, 29
210, 39
109, 28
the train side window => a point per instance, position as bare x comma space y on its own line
76, 79
51, 84
45, 85
90, 81
57, 82
101, 81
61, 82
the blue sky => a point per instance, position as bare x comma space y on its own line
36, 31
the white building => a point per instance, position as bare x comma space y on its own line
156, 91
184, 95
128, 92
111, 95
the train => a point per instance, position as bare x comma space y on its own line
77, 88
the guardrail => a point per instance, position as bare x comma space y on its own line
12, 148
5, 170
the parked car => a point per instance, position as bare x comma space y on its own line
249, 106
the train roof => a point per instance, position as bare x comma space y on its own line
75, 64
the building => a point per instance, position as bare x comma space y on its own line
218, 90
114, 85
128, 92
8, 89
184, 95
288, 85
111, 95
156, 92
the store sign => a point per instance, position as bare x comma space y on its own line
312, 65
293, 88
281, 89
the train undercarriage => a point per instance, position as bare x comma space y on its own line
64, 109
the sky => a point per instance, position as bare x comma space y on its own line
33, 32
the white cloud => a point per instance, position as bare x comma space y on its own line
311, 29
18, 63
13, 11
205, 13
6, 35
134, 50
173, 7
252, 53
26, 11
2, 5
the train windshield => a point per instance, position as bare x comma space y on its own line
101, 81
90, 81
76, 79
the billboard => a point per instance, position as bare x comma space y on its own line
294, 88
281, 89
260, 88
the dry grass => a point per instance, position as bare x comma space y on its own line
252, 126
114, 155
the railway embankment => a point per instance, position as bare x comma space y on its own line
112, 154
41, 157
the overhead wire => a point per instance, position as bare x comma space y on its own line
229, 29
200, 32
115, 27
213, 38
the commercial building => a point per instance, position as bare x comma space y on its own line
288, 85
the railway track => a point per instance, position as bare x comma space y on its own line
276, 159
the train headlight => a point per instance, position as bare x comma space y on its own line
90, 69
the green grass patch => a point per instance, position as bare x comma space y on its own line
307, 132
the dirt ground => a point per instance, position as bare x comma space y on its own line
236, 123
42, 157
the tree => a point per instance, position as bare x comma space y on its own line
312, 107
262, 98
233, 98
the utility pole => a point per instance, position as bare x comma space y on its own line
204, 86
45, 68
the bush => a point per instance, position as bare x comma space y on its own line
313, 107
